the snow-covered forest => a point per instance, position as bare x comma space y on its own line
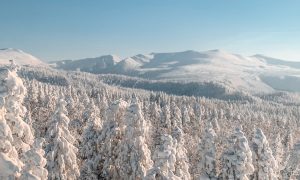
73, 125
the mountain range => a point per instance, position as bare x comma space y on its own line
254, 74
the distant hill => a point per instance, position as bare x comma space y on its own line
20, 57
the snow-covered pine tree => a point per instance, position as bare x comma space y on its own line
181, 164
110, 139
61, 153
10, 164
41, 95
207, 154
134, 157
90, 113
70, 102
28, 121
288, 140
278, 152
237, 159
33, 92
175, 115
165, 116
35, 162
198, 112
292, 168
89, 106
215, 124
156, 129
15, 112
164, 160
185, 116
89, 152
265, 164
103, 107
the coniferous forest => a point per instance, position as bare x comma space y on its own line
74, 125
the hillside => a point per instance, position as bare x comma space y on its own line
20, 57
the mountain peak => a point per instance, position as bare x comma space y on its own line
20, 57
114, 57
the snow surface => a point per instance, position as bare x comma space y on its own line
20, 57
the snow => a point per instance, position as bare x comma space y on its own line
35, 162
7, 167
134, 156
20, 57
61, 153
264, 161
233, 70
207, 151
16, 138
237, 158
96, 131
164, 160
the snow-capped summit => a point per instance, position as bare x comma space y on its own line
20, 57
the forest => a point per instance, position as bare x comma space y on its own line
69, 125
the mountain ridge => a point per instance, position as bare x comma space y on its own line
252, 74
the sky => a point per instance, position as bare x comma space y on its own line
74, 29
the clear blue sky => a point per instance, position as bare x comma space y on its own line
70, 29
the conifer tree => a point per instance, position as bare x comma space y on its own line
237, 159
110, 138
185, 116
89, 151
10, 164
264, 163
135, 158
181, 164
165, 116
278, 152
292, 169
35, 162
207, 161
175, 115
164, 160
61, 153
15, 112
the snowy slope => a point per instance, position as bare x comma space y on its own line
101, 64
251, 74
20, 57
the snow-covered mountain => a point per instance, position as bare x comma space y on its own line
20, 57
101, 64
252, 74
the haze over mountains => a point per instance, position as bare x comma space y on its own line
253, 74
